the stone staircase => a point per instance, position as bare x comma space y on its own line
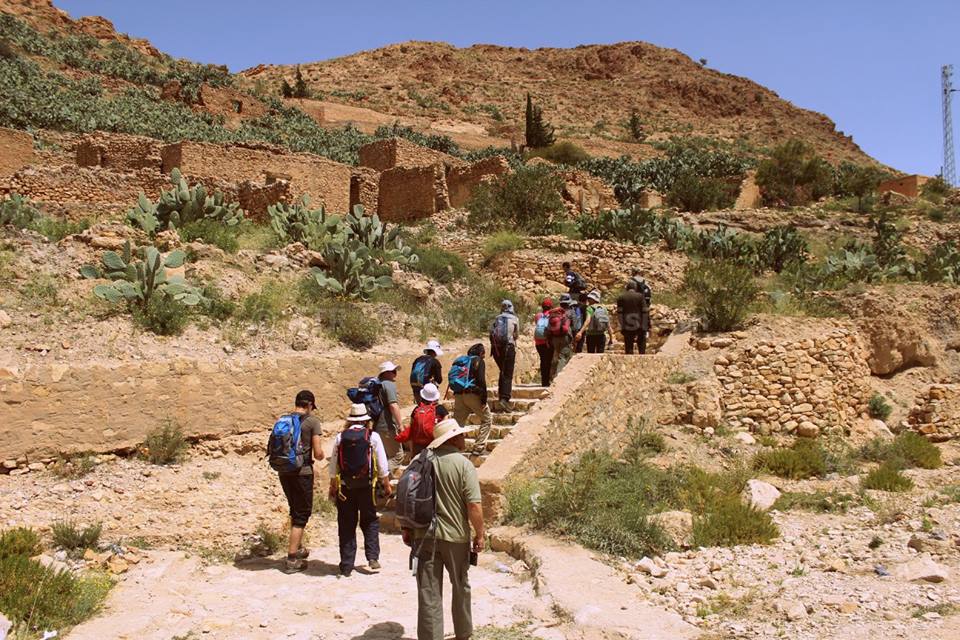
523, 400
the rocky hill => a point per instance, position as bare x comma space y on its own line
587, 92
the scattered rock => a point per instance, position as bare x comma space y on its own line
834, 564
791, 609
759, 494
678, 525
708, 582
745, 438
5, 320
807, 429
649, 566
922, 568
117, 566
915, 543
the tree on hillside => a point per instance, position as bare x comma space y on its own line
794, 175
285, 89
861, 181
300, 85
539, 133
635, 127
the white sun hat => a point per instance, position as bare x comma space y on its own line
388, 366
430, 393
434, 345
446, 430
358, 413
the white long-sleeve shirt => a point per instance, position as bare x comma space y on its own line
378, 450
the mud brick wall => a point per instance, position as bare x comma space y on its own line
461, 181
87, 185
255, 199
776, 386
412, 193
119, 152
16, 151
325, 181
365, 189
397, 152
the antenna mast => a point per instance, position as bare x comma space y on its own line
949, 160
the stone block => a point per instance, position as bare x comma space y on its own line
412, 193
462, 181
397, 152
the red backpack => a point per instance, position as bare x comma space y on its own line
559, 324
422, 423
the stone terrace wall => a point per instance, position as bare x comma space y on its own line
412, 193
87, 185
799, 387
16, 151
576, 417
53, 409
397, 152
119, 152
364, 189
326, 181
936, 413
461, 181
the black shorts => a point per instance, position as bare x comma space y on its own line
299, 492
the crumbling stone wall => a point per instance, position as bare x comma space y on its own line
412, 193
255, 199
119, 152
936, 413
325, 181
797, 387
16, 151
462, 180
583, 192
365, 189
397, 152
87, 185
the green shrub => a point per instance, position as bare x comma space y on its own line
442, 143
166, 444
40, 598
212, 232
859, 181
163, 315
643, 439
76, 467
878, 407
19, 541
527, 200
887, 477
41, 289
731, 523
909, 449
443, 266
805, 459
819, 502
935, 189
55, 229
941, 264
794, 175
782, 245
268, 305
565, 152
680, 377
18, 212
75, 540
887, 240
215, 306
499, 243
472, 312
722, 293
352, 326
691, 192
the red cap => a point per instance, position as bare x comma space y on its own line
547, 303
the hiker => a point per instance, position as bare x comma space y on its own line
389, 421
643, 288
448, 545
357, 464
424, 418
596, 329
574, 281
503, 346
467, 379
294, 465
542, 341
578, 316
634, 317
426, 369
560, 334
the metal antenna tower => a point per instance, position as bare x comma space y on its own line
949, 160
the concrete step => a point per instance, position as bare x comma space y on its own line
525, 392
499, 419
491, 443
514, 405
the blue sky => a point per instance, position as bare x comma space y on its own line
871, 66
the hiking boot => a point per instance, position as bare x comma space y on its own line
345, 573
294, 565
373, 565
303, 553
505, 406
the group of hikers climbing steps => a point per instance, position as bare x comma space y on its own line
437, 500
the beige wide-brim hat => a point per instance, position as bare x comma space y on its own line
388, 366
358, 413
446, 430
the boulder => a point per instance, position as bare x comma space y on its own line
678, 525
647, 565
922, 568
867, 429
807, 429
759, 494
745, 438
792, 609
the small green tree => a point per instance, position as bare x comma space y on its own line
285, 89
859, 181
300, 85
722, 292
539, 133
635, 127
794, 175
887, 240
527, 200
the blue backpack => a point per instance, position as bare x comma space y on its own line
367, 392
283, 447
421, 370
459, 377
543, 322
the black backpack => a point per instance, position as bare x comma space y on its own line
416, 505
355, 458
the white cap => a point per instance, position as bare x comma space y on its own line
434, 345
430, 393
388, 366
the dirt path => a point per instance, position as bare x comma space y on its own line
173, 595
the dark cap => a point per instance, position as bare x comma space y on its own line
306, 400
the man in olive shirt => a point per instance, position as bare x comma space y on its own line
298, 486
390, 423
449, 547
